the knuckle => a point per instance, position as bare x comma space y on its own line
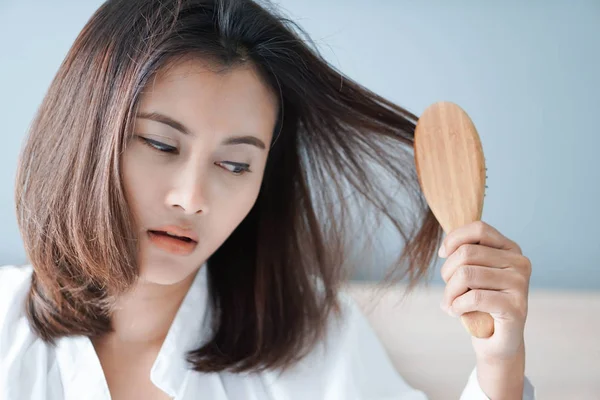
522, 282
526, 265
466, 252
521, 307
480, 227
516, 247
466, 273
478, 297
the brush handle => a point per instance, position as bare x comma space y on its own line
479, 324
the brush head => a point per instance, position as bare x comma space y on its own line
451, 169
450, 165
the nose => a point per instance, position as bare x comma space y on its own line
188, 193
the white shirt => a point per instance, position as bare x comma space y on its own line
350, 364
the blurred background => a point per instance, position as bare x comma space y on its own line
526, 72
528, 75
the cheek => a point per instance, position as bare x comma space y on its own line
229, 209
140, 182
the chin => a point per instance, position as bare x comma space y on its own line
165, 273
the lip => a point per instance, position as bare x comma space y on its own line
177, 231
172, 245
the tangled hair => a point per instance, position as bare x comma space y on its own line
274, 282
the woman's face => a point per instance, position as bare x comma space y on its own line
195, 163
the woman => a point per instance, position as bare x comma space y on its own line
183, 196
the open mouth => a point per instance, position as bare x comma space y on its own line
174, 244
167, 234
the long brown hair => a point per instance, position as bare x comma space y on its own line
273, 283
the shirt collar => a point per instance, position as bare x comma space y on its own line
81, 371
187, 332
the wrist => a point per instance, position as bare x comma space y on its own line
502, 378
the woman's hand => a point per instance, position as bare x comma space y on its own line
485, 271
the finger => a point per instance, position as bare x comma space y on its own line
474, 254
477, 232
499, 304
469, 277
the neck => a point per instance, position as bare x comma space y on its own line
143, 315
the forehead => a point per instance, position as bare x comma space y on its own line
206, 96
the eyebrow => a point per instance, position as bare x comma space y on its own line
233, 140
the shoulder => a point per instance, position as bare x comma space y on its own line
349, 362
15, 282
24, 357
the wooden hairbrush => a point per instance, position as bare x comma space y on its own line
452, 174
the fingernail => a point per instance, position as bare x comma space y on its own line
442, 251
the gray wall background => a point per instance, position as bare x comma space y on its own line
526, 72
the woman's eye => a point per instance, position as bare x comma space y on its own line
235, 168
156, 145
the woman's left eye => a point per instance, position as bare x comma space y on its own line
235, 168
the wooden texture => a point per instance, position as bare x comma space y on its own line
451, 169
